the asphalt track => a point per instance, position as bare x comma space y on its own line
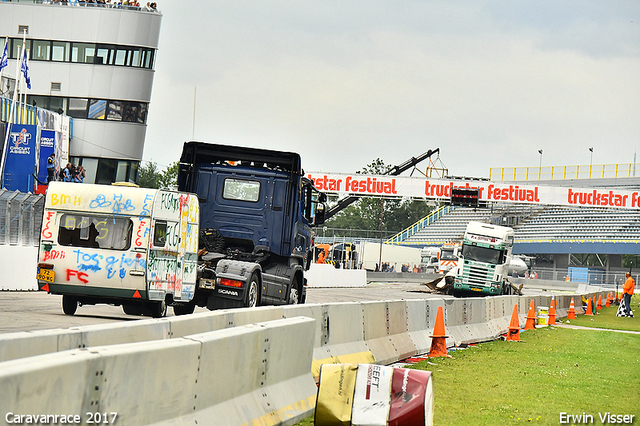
26, 311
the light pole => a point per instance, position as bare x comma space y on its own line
590, 161
540, 167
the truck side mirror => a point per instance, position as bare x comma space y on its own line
319, 218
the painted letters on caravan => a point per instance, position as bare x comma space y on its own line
118, 244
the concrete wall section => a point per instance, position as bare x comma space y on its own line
253, 374
275, 360
23, 277
325, 275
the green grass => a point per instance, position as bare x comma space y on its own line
606, 318
552, 370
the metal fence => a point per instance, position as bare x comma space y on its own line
20, 218
610, 278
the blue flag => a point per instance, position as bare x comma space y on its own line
4, 59
24, 69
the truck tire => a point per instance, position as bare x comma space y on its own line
253, 292
69, 305
184, 308
158, 309
294, 292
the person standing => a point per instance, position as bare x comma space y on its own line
67, 175
627, 291
51, 167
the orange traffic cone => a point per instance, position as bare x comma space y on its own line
608, 304
439, 339
531, 317
589, 310
599, 306
514, 326
552, 313
571, 313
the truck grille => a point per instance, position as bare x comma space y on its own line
477, 275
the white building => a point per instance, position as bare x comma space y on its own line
95, 64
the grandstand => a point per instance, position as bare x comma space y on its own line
548, 225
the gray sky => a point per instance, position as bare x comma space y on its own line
345, 82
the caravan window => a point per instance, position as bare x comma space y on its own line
94, 231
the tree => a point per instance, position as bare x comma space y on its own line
169, 177
150, 177
369, 213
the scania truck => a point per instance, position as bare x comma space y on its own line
485, 257
256, 213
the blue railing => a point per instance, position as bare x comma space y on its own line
401, 236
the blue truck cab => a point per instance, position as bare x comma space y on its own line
256, 214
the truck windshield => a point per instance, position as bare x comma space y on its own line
93, 231
482, 254
447, 255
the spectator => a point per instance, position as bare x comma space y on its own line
79, 175
67, 175
51, 167
627, 291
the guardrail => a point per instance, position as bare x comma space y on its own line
369, 332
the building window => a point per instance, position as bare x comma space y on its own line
41, 50
97, 108
60, 51
102, 55
115, 111
77, 108
83, 53
15, 45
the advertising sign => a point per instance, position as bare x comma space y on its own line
399, 186
20, 158
47, 147
373, 395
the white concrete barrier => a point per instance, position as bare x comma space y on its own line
22, 277
256, 374
325, 275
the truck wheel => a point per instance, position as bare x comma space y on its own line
69, 305
184, 308
253, 290
294, 293
158, 309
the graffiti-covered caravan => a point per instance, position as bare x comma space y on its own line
121, 245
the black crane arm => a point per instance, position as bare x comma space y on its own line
394, 171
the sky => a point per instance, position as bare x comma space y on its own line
489, 83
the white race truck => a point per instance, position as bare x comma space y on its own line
430, 261
484, 265
119, 245
449, 256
